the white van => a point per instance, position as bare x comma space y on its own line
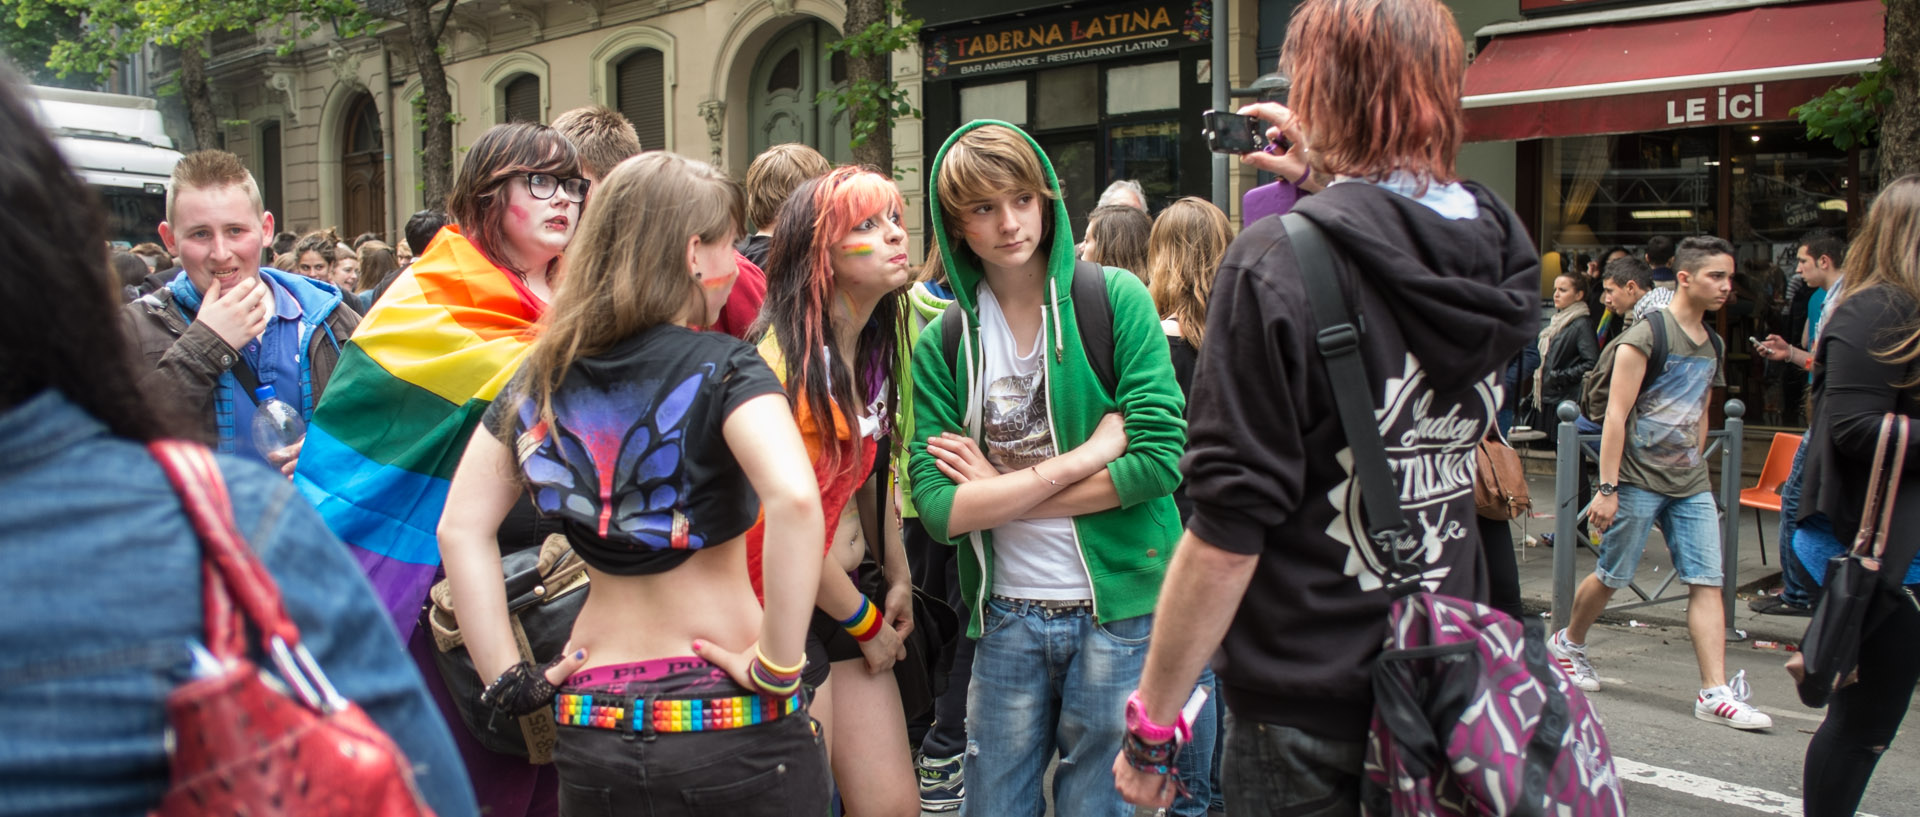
118, 145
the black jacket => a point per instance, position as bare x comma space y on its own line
1570, 355
1853, 388
1444, 305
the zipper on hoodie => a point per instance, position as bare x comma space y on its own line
1079, 549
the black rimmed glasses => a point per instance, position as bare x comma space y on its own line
543, 185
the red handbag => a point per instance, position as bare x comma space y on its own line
241, 742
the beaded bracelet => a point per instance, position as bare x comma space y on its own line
864, 624
1154, 758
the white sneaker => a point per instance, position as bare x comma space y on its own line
1728, 705
1573, 661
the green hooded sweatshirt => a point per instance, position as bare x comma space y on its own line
1124, 550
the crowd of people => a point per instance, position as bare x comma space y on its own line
771, 435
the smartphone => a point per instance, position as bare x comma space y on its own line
1232, 133
1753, 340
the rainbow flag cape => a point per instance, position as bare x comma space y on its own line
409, 390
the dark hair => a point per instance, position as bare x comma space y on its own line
128, 268
363, 238
1609, 252
323, 242
71, 340
1659, 251
283, 243
1695, 250
422, 227
1119, 236
1822, 242
1626, 270
501, 153
1581, 285
377, 264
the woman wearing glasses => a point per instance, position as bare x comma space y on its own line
419, 373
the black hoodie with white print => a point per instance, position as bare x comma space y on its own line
1443, 304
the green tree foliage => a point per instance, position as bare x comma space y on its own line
29, 44
116, 29
1848, 115
870, 99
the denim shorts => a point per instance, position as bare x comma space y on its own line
1690, 524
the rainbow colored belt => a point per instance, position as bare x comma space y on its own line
665, 715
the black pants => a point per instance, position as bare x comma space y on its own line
776, 769
1503, 571
936, 570
1273, 769
1862, 718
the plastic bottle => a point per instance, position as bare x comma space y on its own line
277, 427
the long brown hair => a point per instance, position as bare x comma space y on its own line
501, 153
1377, 85
623, 280
1887, 254
1183, 253
1117, 234
800, 305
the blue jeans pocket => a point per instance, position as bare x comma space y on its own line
1131, 632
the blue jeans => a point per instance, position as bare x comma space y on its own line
1197, 758
1798, 584
1045, 681
1691, 525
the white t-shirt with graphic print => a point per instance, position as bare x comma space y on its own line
1032, 558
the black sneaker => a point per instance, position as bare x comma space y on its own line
1776, 606
941, 784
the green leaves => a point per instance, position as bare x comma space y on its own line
1848, 115
112, 30
875, 104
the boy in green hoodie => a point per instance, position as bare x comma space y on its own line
1058, 491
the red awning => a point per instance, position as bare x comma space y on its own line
1747, 65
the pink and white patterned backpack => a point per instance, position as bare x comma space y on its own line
1471, 717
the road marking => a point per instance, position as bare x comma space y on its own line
1707, 788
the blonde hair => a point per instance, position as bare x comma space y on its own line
1887, 254
988, 161
621, 281
773, 177
602, 136
211, 170
1183, 253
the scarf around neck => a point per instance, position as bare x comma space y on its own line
1561, 320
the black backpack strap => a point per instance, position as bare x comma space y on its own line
1093, 316
952, 326
1656, 362
1338, 339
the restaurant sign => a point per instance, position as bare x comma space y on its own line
1114, 30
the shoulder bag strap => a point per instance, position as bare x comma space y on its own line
1875, 539
232, 569
1338, 339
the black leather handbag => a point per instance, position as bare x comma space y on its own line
546, 588
1863, 585
934, 627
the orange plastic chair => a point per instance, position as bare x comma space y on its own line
1766, 495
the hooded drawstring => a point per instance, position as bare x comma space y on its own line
1053, 300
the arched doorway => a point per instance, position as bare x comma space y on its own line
787, 79
363, 171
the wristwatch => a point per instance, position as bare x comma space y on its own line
1141, 726
1608, 488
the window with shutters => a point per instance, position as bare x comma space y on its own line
641, 95
522, 99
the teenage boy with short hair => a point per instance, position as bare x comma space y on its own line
1652, 473
602, 137
1057, 492
1659, 256
224, 320
772, 177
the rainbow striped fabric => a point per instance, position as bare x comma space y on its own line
409, 390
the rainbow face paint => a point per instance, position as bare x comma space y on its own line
859, 250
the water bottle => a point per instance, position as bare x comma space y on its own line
277, 427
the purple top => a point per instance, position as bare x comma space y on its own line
1273, 199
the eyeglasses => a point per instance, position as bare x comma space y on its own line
542, 186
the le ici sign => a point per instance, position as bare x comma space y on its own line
1724, 107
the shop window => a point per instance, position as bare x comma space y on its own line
641, 94
1068, 97
1151, 87
522, 99
1149, 153
1005, 101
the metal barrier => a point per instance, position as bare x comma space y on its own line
1570, 457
